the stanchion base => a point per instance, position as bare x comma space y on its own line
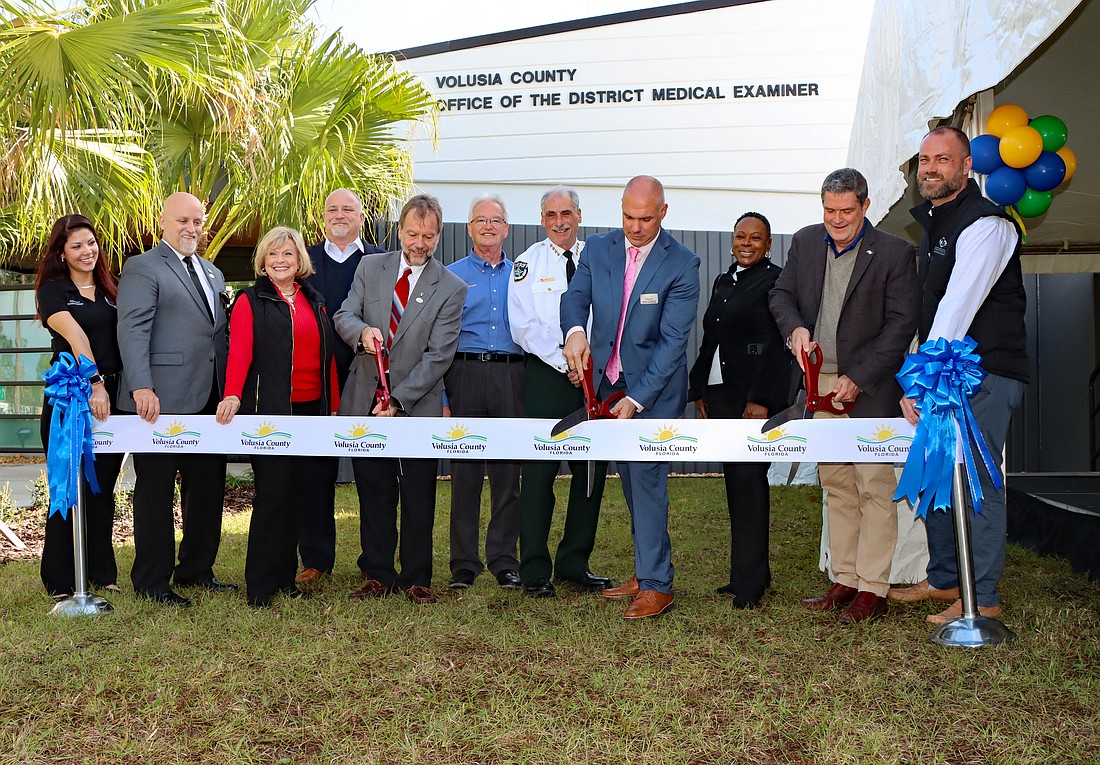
82, 605
972, 632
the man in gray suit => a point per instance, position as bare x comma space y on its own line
172, 335
850, 291
411, 305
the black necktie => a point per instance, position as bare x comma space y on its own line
570, 266
198, 286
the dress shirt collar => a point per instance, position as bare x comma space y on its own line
854, 243
339, 255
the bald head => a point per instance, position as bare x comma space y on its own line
181, 222
643, 209
344, 217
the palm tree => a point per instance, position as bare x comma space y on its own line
106, 109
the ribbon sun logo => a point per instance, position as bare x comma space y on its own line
459, 439
360, 439
266, 438
668, 440
177, 436
884, 440
564, 443
777, 442
102, 437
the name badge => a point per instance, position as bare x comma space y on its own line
548, 279
649, 298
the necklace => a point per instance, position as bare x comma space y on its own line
85, 286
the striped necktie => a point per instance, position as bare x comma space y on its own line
400, 300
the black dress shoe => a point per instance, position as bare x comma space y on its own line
211, 584
461, 580
726, 589
540, 588
588, 582
167, 598
509, 580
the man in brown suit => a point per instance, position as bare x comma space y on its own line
851, 291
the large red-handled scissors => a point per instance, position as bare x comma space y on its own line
593, 409
809, 400
383, 363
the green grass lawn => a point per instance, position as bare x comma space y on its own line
488, 676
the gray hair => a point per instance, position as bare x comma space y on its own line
561, 191
421, 206
844, 180
487, 198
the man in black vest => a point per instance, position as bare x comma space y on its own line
334, 263
970, 271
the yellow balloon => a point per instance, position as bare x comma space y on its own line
1004, 118
1020, 146
1067, 155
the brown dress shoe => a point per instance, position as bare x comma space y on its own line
838, 596
648, 603
922, 591
955, 610
420, 595
864, 607
371, 588
309, 577
628, 590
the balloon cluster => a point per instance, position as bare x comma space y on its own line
1025, 160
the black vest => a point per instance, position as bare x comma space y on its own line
998, 327
267, 385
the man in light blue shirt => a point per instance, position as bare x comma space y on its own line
486, 380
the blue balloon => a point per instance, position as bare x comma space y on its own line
985, 150
1045, 173
1005, 185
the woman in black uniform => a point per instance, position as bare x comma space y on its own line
75, 291
742, 372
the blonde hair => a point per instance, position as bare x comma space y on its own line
273, 239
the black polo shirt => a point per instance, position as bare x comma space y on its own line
98, 318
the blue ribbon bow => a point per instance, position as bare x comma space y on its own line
943, 376
68, 389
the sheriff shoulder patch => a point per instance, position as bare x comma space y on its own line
519, 271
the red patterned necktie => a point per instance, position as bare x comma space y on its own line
400, 300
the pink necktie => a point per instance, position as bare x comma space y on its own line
628, 287
400, 300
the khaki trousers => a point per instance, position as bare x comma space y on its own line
863, 522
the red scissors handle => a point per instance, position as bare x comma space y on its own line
815, 402
597, 409
382, 363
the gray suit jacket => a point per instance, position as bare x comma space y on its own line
426, 338
878, 319
165, 335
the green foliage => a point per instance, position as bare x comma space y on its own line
105, 109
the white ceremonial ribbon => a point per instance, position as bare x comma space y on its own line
640, 440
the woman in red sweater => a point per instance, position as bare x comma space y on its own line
280, 363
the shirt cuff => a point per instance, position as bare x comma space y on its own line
572, 331
637, 406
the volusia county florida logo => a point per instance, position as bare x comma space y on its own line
267, 438
776, 443
564, 444
886, 441
459, 440
360, 440
667, 442
102, 438
177, 436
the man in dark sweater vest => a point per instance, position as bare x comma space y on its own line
972, 286
334, 263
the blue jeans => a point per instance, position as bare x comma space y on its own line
992, 406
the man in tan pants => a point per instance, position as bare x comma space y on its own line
850, 291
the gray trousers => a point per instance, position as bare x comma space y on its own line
992, 405
484, 389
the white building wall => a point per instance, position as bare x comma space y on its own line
718, 155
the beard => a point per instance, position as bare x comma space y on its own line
947, 187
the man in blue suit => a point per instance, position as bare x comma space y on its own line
642, 287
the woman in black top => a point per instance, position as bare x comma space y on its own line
742, 372
75, 292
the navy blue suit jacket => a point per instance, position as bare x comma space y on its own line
661, 312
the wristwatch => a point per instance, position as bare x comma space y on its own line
96, 378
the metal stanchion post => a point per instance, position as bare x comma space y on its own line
81, 602
971, 629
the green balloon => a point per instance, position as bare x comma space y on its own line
1053, 131
1034, 203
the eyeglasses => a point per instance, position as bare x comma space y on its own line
494, 221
